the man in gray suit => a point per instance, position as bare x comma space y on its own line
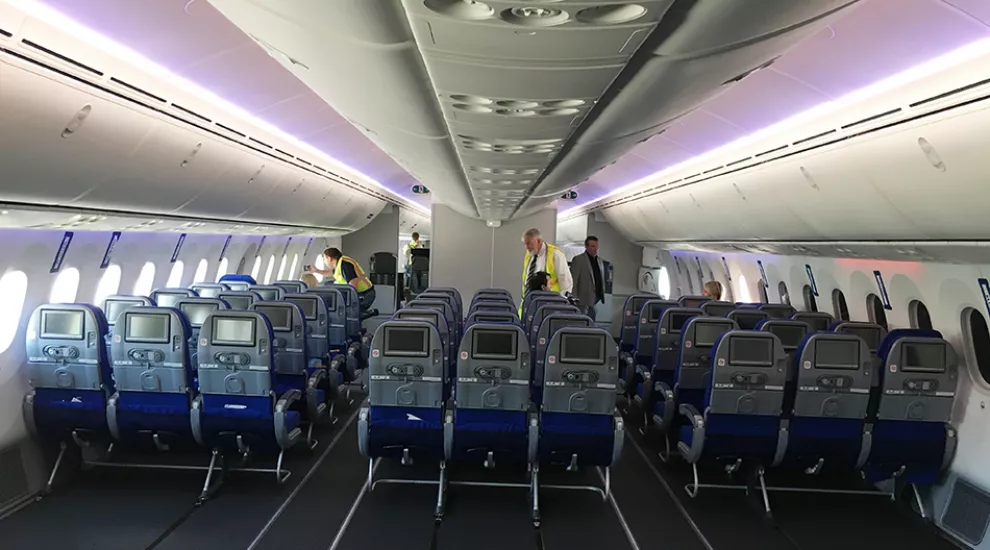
588, 273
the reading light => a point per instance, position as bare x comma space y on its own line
941, 63
65, 24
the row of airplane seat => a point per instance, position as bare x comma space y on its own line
231, 366
498, 389
765, 384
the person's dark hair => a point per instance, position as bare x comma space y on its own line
415, 236
589, 239
332, 253
537, 281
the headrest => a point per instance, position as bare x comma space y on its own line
893, 336
237, 278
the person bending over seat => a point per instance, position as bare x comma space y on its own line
346, 271
539, 281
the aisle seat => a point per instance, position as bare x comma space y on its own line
238, 408
742, 402
630, 322
791, 334
491, 420
660, 375
405, 411
579, 424
195, 311
632, 373
550, 325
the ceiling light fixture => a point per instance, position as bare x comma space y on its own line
941, 63
69, 26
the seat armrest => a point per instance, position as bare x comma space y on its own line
283, 436
287, 399
448, 433
363, 431
112, 416
865, 447
195, 419
619, 438
533, 433
662, 392
692, 453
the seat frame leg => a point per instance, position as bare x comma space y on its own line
919, 501
371, 474
665, 454
763, 489
441, 492
608, 483
692, 488
534, 494
62, 447
208, 488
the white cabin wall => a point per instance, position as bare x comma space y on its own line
468, 255
32, 252
947, 290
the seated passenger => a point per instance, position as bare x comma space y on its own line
539, 281
713, 290
310, 280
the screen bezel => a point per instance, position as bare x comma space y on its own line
495, 356
232, 306
564, 358
178, 296
216, 308
677, 315
855, 331
285, 308
132, 303
214, 341
906, 368
314, 303
58, 335
833, 366
136, 340
425, 331
770, 329
699, 344
743, 363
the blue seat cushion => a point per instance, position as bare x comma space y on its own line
393, 429
590, 436
836, 440
225, 416
920, 446
139, 414
479, 431
732, 436
57, 412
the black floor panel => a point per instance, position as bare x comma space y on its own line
392, 517
579, 519
104, 509
487, 518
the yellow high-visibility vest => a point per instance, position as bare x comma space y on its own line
362, 283
550, 270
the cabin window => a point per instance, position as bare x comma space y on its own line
13, 290
761, 289
175, 276
109, 284
663, 283
240, 266
978, 337
919, 315
145, 280
744, 295
875, 311
201, 269
839, 307
785, 298
269, 270
256, 270
810, 304
292, 270
319, 264
66, 286
281, 267
222, 269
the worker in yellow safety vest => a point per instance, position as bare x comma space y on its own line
545, 257
346, 271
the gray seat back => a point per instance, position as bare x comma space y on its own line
582, 370
150, 351
66, 348
748, 318
352, 307
239, 286
649, 318
114, 305
209, 290
491, 317
450, 291
541, 314
713, 308
430, 294
550, 325
493, 368
668, 336
833, 377
698, 338
240, 299
748, 374
693, 301
268, 293
430, 315
406, 365
490, 306
168, 297
630, 319
289, 325
872, 334
817, 320
453, 327
317, 330
235, 354
529, 312
919, 380
291, 287
790, 333
778, 311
